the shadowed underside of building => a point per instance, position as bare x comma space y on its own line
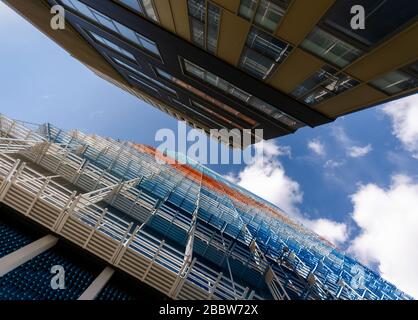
125, 222
278, 65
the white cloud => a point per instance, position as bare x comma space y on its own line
358, 152
404, 115
388, 219
333, 163
267, 178
351, 148
334, 232
317, 147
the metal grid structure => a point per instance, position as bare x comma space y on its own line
180, 228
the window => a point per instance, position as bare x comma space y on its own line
317, 78
133, 4
143, 75
198, 105
111, 45
197, 15
228, 88
142, 82
247, 9
262, 53
198, 113
382, 18
395, 82
330, 87
144, 7
317, 96
128, 34
268, 13
214, 18
330, 48
206, 97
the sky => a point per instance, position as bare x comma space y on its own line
353, 181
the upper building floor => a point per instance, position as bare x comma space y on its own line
278, 65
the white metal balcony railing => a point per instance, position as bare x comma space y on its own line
108, 236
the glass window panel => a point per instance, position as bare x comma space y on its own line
143, 83
149, 9
111, 45
105, 21
382, 18
214, 15
197, 9
339, 83
198, 32
83, 9
128, 34
197, 13
395, 82
317, 78
251, 122
148, 44
215, 114
275, 113
133, 4
115, 26
143, 75
242, 95
269, 14
330, 48
317, 96
256, 64
247, 8
267, 45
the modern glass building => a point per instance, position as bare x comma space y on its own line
125, 221
278, 65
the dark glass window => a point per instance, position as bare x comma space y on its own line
322, 85
199, 17
395, 82
107, 43
267, 14
251, 122
330, 88
317, 78
247, 8
228, 88
197, 14
144, 7
113, 25
382, 17
214, 18
144, 76
262, 53
330, 48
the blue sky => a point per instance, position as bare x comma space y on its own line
339, 178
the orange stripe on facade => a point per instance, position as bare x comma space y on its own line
242, 200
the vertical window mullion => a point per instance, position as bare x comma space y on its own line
205, 19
